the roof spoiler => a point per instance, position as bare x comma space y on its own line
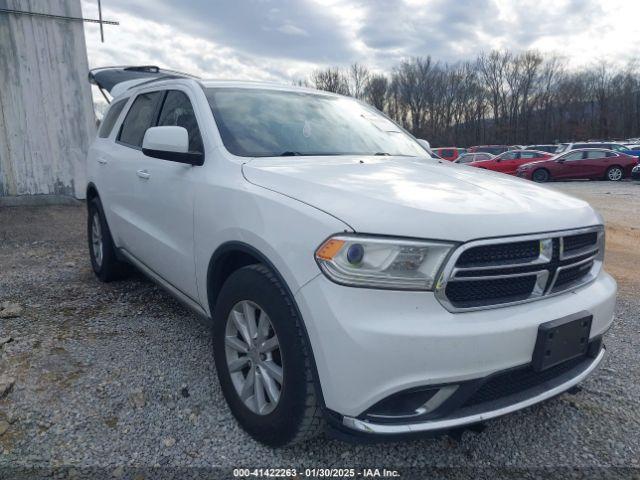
108, 78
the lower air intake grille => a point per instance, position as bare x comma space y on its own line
516, 381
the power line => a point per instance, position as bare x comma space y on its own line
64, 17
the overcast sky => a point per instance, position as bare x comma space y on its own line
285, 39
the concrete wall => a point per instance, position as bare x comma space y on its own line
46, 111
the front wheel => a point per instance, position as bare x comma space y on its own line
263, 359
541, 175
614, 174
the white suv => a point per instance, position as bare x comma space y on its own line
352, 281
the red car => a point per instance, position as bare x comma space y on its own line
592, 163
449, 153
492, 149
508, 162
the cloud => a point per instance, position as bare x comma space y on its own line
289, 29
284, 40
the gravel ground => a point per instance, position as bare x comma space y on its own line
120, 375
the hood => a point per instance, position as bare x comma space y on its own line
422, 198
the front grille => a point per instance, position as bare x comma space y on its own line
477, 292
517, 381
487, 273
578, 242
506, 252
572, 274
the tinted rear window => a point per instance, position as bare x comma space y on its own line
110, 118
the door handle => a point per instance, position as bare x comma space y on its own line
144, 174
102, 160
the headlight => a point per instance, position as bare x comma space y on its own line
379, 262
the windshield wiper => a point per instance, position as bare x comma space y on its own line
383, 154
289, 154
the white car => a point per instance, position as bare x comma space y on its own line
353, 282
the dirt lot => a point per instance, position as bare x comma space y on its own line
119, 378
619, 204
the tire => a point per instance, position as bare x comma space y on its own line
614, 174
541, 175
102, 250
295, 415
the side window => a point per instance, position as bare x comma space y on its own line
611, 154
528, 155
576, 155
140, 116
178, 111
509, 156
110, 118
595, 154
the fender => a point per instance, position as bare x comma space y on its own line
237, 246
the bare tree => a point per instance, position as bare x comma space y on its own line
375, 91
358, 78
331, 80
500, 97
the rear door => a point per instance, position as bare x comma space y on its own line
506, 162
123, 165
595, 163
165, 200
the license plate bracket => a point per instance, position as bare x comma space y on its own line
562, 339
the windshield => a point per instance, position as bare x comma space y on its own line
271, 123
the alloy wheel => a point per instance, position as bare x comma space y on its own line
253, 356
614, 174
96, 239
540, 176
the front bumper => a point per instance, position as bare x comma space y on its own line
485, 411
370, 344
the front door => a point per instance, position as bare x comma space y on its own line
165, 199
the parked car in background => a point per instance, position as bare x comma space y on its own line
473, 157
449, 153
492, 149
616, 147
633, 149
588, 163
508, 162
549, 148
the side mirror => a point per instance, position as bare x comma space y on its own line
560, 160
170, 143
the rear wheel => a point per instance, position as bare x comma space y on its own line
263, 360
615, 174
102, 250
541, 175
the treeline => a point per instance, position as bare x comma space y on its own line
500, 97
